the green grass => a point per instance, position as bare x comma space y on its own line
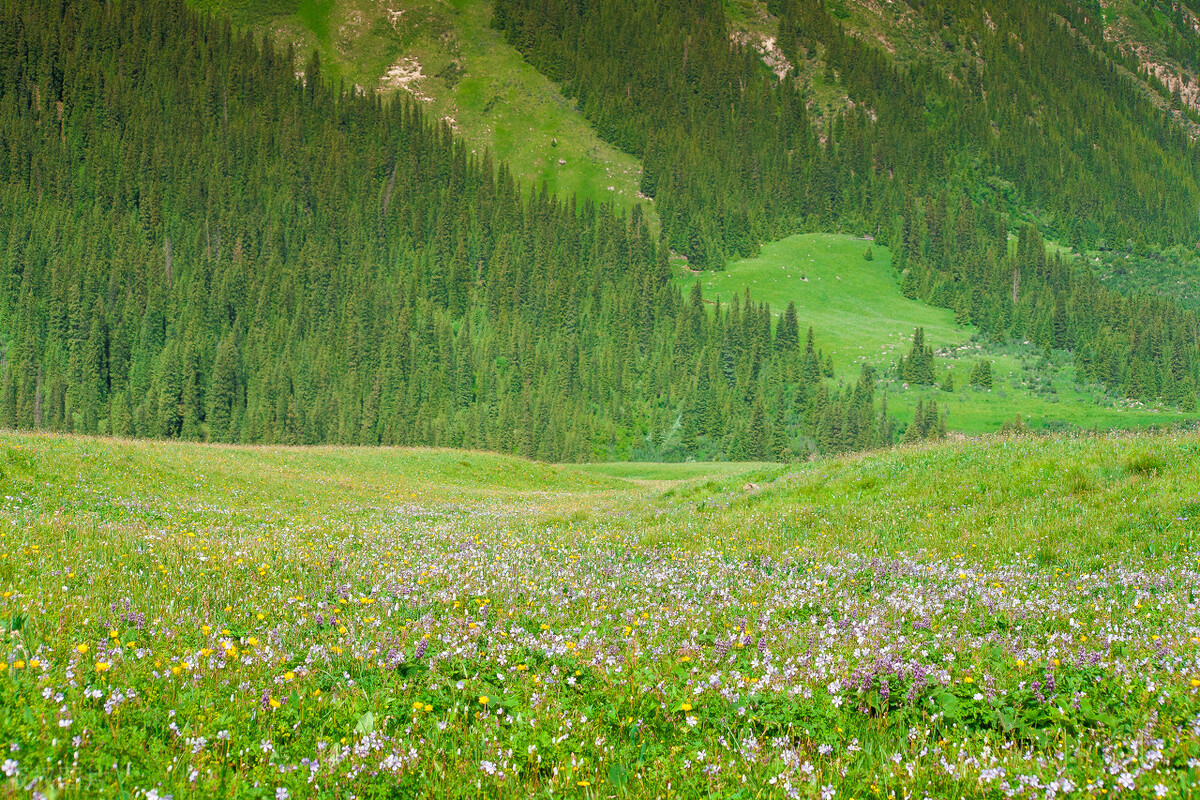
319, 622
472, 78
654, 472
854, 305
859, 316
1043, 394
286, 484
1072, 502
315, 14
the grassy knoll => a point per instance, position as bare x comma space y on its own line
447, 55
1069, 502
286, 622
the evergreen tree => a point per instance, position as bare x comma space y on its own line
981, 374
917, 366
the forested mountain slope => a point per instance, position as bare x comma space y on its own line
197, 244
939, 160
199, 240
447, 56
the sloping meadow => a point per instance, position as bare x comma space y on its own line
971, 619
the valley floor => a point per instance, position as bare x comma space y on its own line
981, 619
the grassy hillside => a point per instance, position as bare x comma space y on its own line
860, 316
854, 305
447, 56
288, 622
1065, 503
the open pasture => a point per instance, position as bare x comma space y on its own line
980, 619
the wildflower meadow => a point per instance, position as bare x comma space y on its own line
995, 618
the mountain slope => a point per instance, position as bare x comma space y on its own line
447, 56
196, 244
938, 158
435, 37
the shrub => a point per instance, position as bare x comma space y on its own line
1143, 464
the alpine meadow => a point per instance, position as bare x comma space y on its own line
599, 399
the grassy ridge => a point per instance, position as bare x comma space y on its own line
498, 101
117, 481
1080, 503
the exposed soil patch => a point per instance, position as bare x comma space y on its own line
405, 74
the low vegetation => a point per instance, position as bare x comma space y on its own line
955, 620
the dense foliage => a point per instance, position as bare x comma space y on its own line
193, 243
1034, 111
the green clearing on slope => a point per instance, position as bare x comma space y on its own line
859, 316
497, 100
854, 305
460, 68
